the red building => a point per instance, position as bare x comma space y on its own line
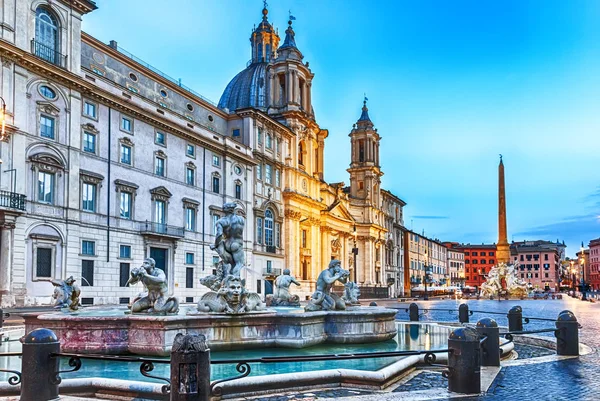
594, 262
479, 259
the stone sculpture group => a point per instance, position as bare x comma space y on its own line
515, 287
229, 294
228, 290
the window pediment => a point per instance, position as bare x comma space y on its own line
160, 153
48, 108
190, 165
160, 193
126, 141
190, 203
126, 186
90, 128
46, 162
91, 177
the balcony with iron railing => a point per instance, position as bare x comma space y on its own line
163, 230
271, 271
12, 200
268, 249
49, 54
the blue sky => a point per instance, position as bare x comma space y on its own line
451, 84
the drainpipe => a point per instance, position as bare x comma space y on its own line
203, 202
108, 189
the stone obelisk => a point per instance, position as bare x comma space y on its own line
502, 248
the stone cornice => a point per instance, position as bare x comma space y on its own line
288, 194
82, 6
261, 117
86, 88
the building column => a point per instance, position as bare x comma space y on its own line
6, 246
288, 86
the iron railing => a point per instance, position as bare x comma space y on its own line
162, 74
146, 366
12, 200
150, 227
271, 271
15, 379
49, 54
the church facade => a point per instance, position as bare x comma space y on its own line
108, 161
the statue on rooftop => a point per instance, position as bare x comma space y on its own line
323, 298
66, 293
155, 300
281, 291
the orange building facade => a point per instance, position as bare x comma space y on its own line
479, 259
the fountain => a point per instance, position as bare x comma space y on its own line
229, 316
503, 273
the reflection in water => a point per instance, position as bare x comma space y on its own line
409, 337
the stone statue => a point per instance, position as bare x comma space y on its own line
515, 287
229, 240
281, 291
66, 293
228, 291
155, 300
231, 298
323, 298
351, 293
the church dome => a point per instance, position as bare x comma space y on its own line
247, 89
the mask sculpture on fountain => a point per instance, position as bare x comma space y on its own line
515, 287
232, 298
66, 293
281, 291
351, 293
155, 299
323, 298
229, 294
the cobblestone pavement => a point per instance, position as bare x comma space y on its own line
559, 380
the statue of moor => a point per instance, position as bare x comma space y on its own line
323, 298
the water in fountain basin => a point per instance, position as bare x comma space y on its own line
409, 337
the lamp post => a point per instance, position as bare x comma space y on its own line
425, 279
583, 297
355, 253
573, 277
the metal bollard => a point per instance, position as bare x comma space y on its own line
37, 367
490, 348
463, 313
515, 318
567, 336
190, 368
464, 361
413, 312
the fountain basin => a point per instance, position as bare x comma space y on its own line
94, 331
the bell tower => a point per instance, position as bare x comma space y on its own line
365, 172
290, 79
264, 40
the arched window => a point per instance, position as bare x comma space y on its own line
268, 227
46, 35
300, 154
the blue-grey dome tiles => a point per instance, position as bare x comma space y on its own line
247, 89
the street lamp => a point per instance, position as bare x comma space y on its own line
573, 276
355, 253
426, 279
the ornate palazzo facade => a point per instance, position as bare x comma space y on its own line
109, 161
